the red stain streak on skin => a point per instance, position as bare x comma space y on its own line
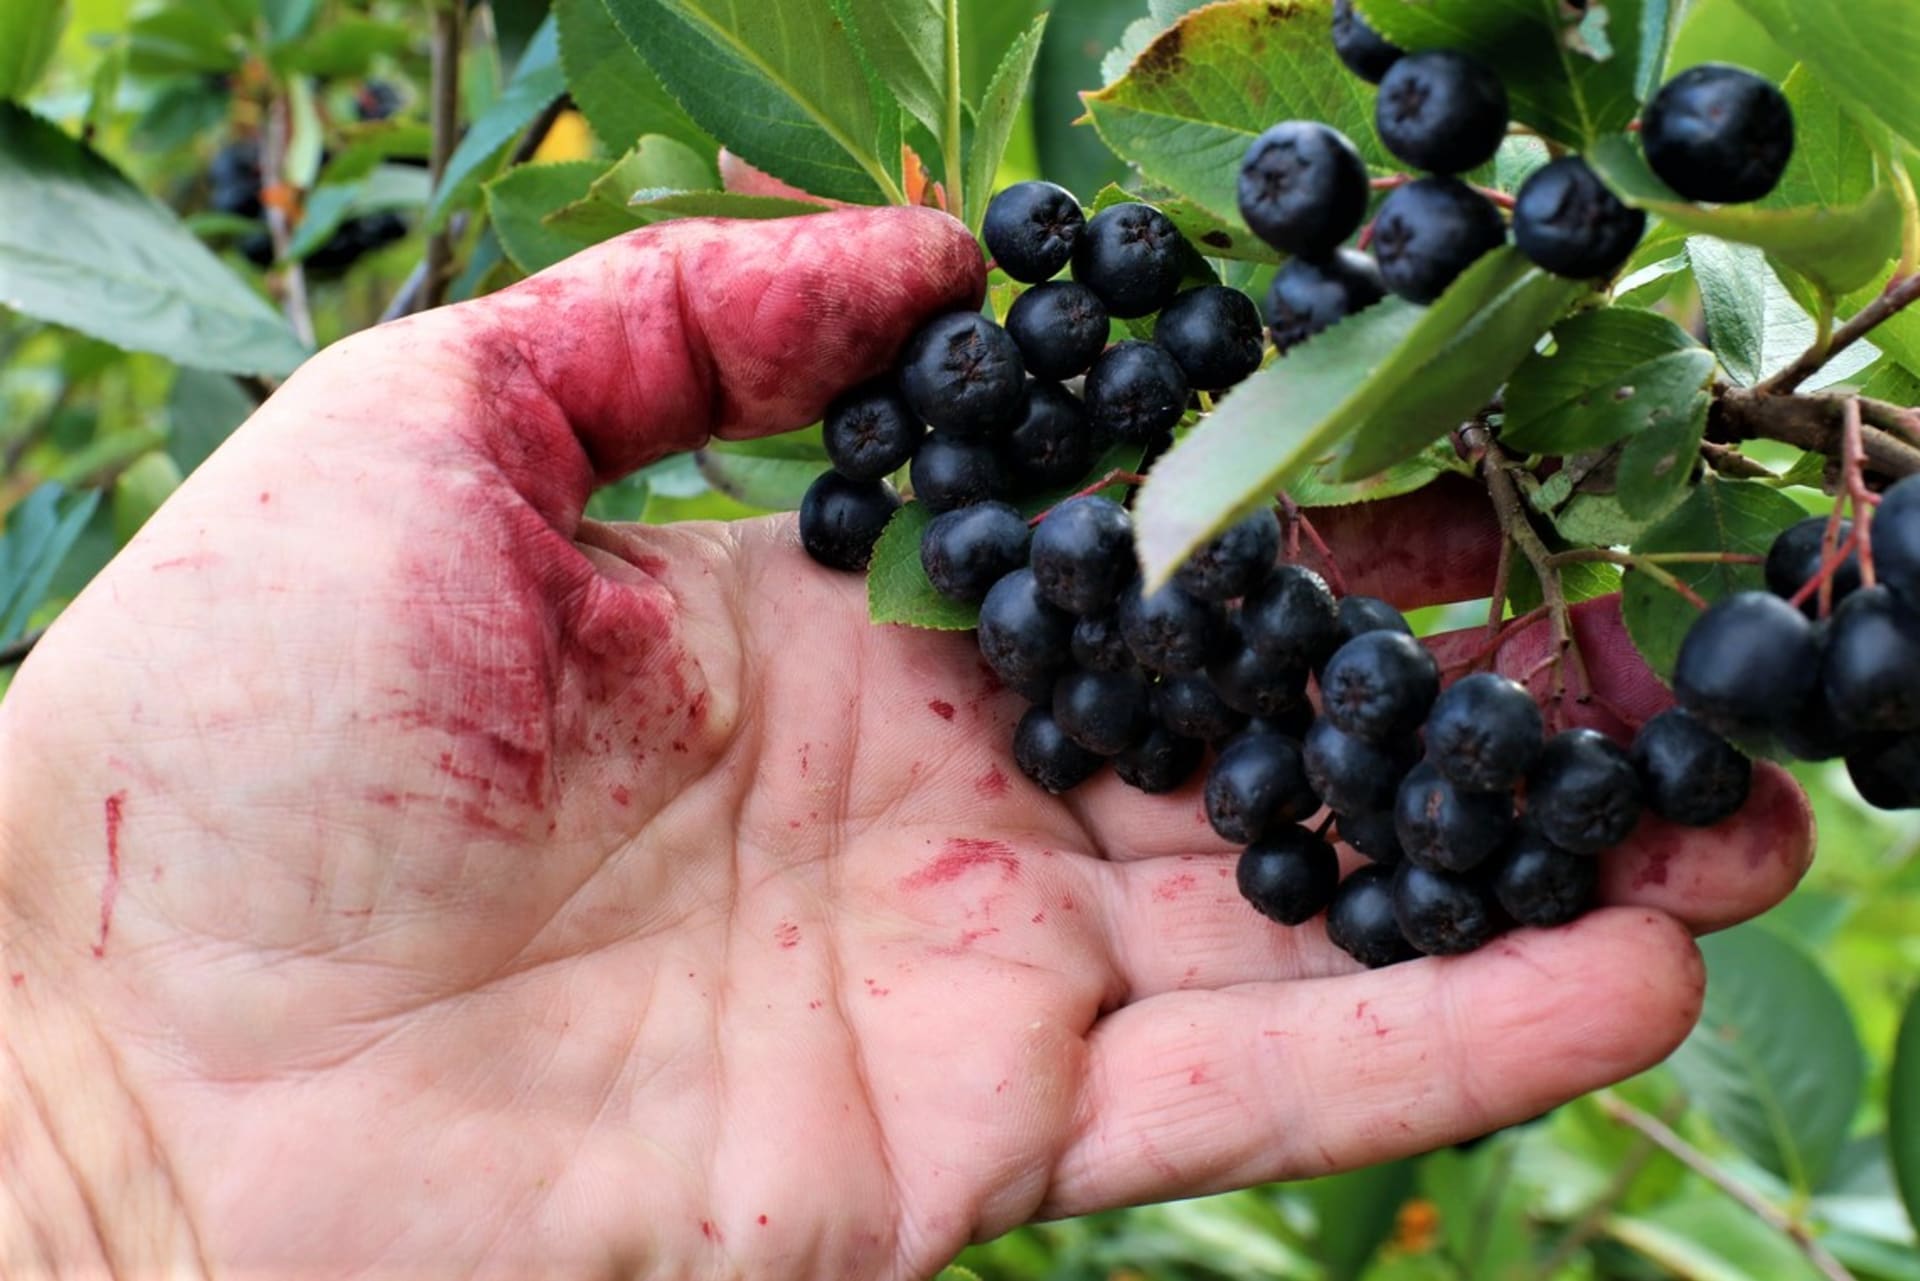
877, 991
763, 1220
814, 1005
18, 979
1654, 873
199, 560
265, 497
1174, 886
708, 1231
960, 856
1066, 903
1197, 1077
969, 937
116, 809
1039, 918
942, 708
622, 797
992, 783
804, 749
787, 935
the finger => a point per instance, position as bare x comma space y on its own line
1197, 1092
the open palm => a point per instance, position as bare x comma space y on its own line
462, 887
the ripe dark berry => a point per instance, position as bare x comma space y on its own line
841, 519
1352, 775
234, 179
949, 473
1448, 827
1133, 257
1048, 757
1484, 732
1292, 723
1024, 640
1255, 685
1303, 188
1161, 763
1430, 231
1567, 222
1379, 685
1214, 334
965, 552
1257, 784
1052, 445
1290, 876
1692, 775
963, 375
1104, 712
1366, 52
1030, 230
1099, 645
1359, 615
1541, 885
1746, 664
1308, 296
1896, 540
1440, 913
1373, 833
1887, 772
1060, 327
1442, 110
1135, 392
1190, 707
1871, 668
870, 433
1718, 133
1083, 554
1360, 920
1234, 561
1171, 632
1797, 554
1291, 619
1583, 793
1812, 732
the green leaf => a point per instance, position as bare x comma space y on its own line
537, 81
184, 40
782, 87
897, 586
612, 84
1721, 31
1613, 373
288, 19
1756, 327
1837, 247
773, 474
140, 489
1578, 582
1775, 1060
1356, 1214
1657, 465
1559, 78
999, 107
1070, 153
655, 165
82, 246
1862, 48
1903, 1109
519, 201
1833, 161
1742, 516
389, 187
914, 46
39, 530
29, 33
347, 46
1702, 1236
202, 411
1312, 488
718, 204
988, 29
1200, 94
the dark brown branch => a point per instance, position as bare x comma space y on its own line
1898, 294
449, 31
1814, 423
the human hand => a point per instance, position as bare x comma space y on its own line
403, 874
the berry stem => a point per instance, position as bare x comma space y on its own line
1909, 219
1295, 518
273, 160
1638, 560
1396, 180
1501, 635
1603, 1207
1498, 469
1853, 458
1901, 292
1114, 477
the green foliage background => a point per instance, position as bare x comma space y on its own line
134, 337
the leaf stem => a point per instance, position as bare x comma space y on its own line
1295, 518
1909, 217
1594, 1218
1497, 469
950, 145
1114, 477
449, 36
1901, 292
274, 197
1650, 565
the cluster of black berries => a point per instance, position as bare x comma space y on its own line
1838, 677
982, 414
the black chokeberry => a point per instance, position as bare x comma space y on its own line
1192, 708
1133, 257
870, 433
1051, 444
963, 375
1171, 632
1303, 188
1293, 723
1361, 922
1896, 540
1359, 615
233, 178
966, 551
1031, 228
1100, 646
1061, 327
1379, 685
1104, 712
1584, 794
1450, 827
1441, 913
1886, 771
1352, 775
1027, 642
1430, 231
1083, 554
1812, 732
1692, 775
1484, 732
1441, 110
1234, 561
1214, 334
1308, 295
1367, 53
1047, 756
1796, 557
1718, 133
1567, 222
1161, 763
1289, 876
1257, 784
1291, 618
1541, 885
1747, 664
1135, 392
1871, 668
948, 473
1373, 833
841, 519
1255, 685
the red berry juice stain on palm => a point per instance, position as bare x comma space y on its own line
708, 1231
1197, 1077
993, 783
763, 1220
969, 937
17, 978
941, 707
1174, 886
622, 797
805, 748
110, 890
1655, 870
1039, 918
198, 560
873, 990
265, 498
787, 935
960, 856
